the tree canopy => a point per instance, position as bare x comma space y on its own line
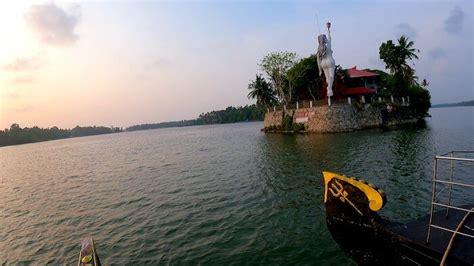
403, 81
276, 66
396, 58
232, 115
263, 91
17, 135
229, 115
304, 78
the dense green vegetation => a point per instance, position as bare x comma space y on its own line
182, 123
232, 115
396, 58
262, 90
287, 124
17, 135
276, 66
288, 78
303, 78
229, 115
465, 103
402, 80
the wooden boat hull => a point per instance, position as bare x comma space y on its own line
367, 238
88, 255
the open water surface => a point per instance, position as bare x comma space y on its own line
223, 194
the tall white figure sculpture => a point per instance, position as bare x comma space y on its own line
326, 62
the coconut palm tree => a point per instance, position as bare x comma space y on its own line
396, 58
406, 49
425, 83
262, 90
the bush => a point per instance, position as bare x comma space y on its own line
420, 100
378, 104
287, 123
298, 127
358, 105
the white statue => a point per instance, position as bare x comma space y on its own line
326, 62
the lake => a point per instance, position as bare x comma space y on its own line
220, 194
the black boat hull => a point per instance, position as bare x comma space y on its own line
368, 239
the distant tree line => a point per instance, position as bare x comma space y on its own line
182, 123
465, 103
17, 135
229, 115
232, 115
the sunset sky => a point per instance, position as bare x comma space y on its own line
124, 63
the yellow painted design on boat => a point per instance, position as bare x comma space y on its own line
86, 259
374, 197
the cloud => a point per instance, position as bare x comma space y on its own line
407, 30
453, 24
437, 53
53, 25
25, 64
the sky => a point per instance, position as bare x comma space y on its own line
119, 63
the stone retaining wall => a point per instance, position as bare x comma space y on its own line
340, 118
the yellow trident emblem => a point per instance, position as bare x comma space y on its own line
338, 191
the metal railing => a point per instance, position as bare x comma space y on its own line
368, 99
451, 157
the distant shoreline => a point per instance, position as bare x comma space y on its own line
16, 135
445, 105
124, 131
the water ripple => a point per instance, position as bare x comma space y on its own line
225, 194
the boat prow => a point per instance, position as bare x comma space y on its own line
351, 216
88, 255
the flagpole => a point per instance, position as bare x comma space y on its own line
317, 20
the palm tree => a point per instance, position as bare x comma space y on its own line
408, 74
406, 50
425, 83
396, 57
262, 90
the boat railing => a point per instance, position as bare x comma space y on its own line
451, 157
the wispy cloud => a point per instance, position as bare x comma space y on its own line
23, 64
454, 23
407, 30
52, 24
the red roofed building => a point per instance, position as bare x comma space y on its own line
360, 82
353, 83
357, 73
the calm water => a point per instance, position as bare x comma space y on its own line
211, 194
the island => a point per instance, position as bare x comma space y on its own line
315, 95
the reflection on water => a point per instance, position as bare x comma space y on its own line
212, 194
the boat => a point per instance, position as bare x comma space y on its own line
88, 255
445, 236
